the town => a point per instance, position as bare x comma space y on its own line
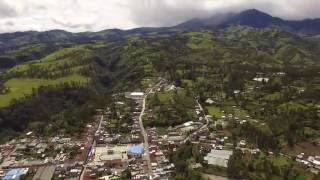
118, 144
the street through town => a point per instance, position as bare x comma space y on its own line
145, 137
143, 131
93, 144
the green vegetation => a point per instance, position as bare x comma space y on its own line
200, 40
171, 108
19, 88
17, 55
56, 108
214, 111
182, 158
220, 65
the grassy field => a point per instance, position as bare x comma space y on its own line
61, 59
200, 40
280, 161
214, 111
21, 87
166, 97
63, 66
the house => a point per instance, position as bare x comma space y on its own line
209, 101
134, 95
218, 157
16, 174
261, 79
136, 150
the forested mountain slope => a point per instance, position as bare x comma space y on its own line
60, 87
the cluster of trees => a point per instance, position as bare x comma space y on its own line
181, 158
265, 139
3, 88
16, 55
67, 108
260, 167
177, 110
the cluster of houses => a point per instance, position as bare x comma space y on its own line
103, 154
159, 147
113, 153
44, 157
313, 162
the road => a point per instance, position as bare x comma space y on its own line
213, 177
93, 144
202, 127
143, 131
145, 137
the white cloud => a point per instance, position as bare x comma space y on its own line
94, 15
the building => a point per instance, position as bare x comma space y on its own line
209, 101
136, 150
16, 174
135, 95
261, 79
111, 156
218, 157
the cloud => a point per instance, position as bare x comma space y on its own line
71, 25
6, 10
171, 12
95, 15
9, 23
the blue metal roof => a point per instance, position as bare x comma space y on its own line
15, 174
136, 149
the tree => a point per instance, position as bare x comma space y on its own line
236, 166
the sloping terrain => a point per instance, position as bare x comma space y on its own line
202, 61
254, 18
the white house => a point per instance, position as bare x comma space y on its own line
218, 157
135, 95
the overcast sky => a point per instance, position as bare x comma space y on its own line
95, 15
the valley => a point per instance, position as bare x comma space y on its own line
172, 103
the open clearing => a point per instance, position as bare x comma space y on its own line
24, 86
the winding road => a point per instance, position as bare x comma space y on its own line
202, 127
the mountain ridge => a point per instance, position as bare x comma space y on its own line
257, 19
251, 18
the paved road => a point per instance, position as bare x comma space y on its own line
213, 177
145, 137
143, 131
93, 144
202, 127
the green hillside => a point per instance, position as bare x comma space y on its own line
20, 87
63, 66
206, 63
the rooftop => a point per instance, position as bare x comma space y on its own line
15, 174
218, 157
137, 94
136, 149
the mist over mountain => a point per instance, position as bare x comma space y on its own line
257, 19
251, 18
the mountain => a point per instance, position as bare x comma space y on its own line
29, 37
251, 18
254, 18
